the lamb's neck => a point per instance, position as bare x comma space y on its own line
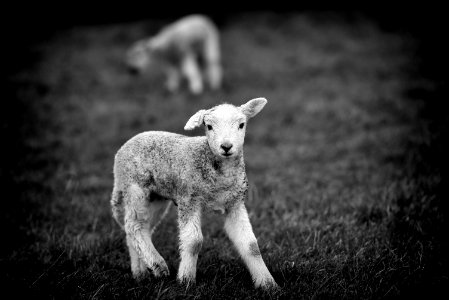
227, 166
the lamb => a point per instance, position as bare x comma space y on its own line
199, 174
188, 48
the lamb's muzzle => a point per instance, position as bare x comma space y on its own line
226, 147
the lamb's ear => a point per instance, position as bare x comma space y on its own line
195, 121
253, 107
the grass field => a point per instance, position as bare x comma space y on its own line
344, 163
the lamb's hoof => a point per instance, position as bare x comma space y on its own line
140, 275
160, 269
196, 90
186, 282
268, 285
171, 90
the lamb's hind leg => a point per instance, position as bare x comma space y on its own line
191, 71
158, 209
138, 266
138, 223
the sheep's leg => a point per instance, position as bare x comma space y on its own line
173, 79
138, 233
212, 63
117, 205
214, 75
190, 69
240, 232
191, 239
138, 267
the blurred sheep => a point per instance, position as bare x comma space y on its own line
187, 49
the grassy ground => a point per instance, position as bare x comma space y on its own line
344, 163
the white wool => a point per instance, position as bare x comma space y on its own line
198, 174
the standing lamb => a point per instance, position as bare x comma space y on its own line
198, 174
188, 48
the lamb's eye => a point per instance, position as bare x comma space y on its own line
209, 127
241, 125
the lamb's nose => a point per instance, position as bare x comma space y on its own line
226, 146
133, 71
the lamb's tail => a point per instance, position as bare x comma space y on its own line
117, 207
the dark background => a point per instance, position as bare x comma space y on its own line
27, 23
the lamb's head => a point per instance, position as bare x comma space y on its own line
225, 126
137, 57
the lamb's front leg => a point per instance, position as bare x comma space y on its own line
173, 79
239, 230
190, 241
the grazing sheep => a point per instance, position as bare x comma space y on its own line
188, 48
199, 174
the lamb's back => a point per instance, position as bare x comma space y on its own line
155, 151
187, 32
